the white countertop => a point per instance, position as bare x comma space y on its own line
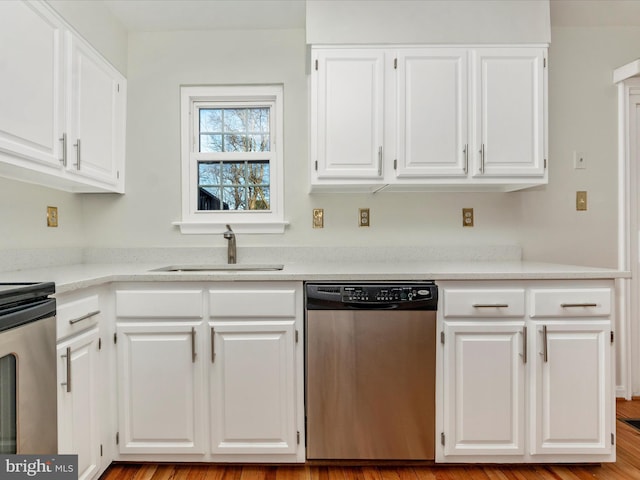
73, 277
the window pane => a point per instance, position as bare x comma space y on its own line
258, 173
234, 197
233, 173
210, 120
210, 143
235, 120
209, 173
258, 120
258, 198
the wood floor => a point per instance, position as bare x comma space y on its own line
627, 467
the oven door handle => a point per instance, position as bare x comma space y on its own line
68, 382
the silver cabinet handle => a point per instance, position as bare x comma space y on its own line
482, 158
63, 139
78, 154
465, 151
524, 344
380, 161
193, 345
84, 317
68, 382
578, 305
213, 345
490, 305
545, 349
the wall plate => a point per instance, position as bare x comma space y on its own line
364, 217
52, 216
467, 217
318, 218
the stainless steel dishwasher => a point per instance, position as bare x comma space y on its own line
370, 370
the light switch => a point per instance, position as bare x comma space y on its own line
581, 201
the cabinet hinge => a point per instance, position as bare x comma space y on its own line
395, 164
442, 338
118, 87
100, 343
115, 337
316, 165
545, 163
298, 437
544, 62
118, 174
442, 438
612, 439
395, 63
611, 336
316, 64
101, 450
117, 438
296, 336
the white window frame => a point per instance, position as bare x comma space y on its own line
196, 221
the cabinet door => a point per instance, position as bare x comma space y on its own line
347, 109
432, 112
78, 419
159, 377
30, 83
96, 94
484, 397
253, 388
509, 112
572, 400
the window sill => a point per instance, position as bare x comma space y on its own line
195, 228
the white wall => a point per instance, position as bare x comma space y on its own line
582, 117
433, 21
160, 62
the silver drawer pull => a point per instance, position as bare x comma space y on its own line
578, 305
490, 305
84, 317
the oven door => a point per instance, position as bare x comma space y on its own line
28, 396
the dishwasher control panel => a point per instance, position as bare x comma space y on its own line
421, 295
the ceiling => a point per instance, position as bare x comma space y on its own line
159, 15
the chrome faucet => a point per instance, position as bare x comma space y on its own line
231, 248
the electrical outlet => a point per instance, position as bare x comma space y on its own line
467, 217
581, 201
52, 216
364, 218
318, 218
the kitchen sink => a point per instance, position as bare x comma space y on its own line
220, 267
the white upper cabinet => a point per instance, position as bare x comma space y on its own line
30, 84
62, 105
95, 115
458, 118
347, 114
509, 112
432, 112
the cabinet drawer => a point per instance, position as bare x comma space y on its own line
484, 303
76, 315
252, 303
159, 303
582, 302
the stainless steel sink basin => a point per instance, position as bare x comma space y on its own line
221, 267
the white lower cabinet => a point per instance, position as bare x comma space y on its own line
484, 400
160, 388
78, 432
538, 388
84, 379
226, 390
252, 388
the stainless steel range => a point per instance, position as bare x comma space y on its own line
370, 371
28, 395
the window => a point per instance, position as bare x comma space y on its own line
232, 164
